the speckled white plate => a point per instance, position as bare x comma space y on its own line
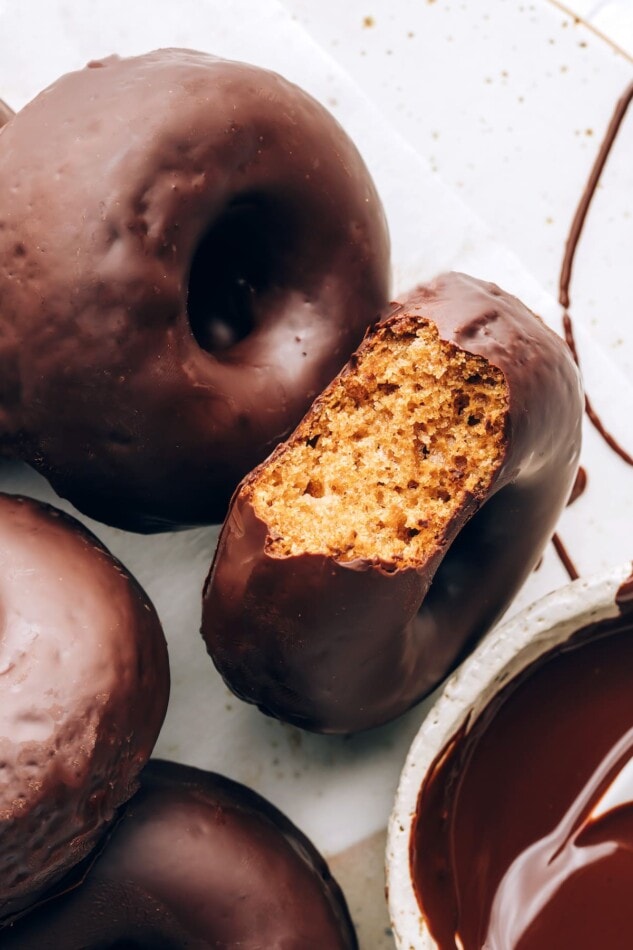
501, 656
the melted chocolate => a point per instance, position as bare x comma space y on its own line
511, 848
85, 682
565, 559
209, 258
570, 249
341, 646
195, 861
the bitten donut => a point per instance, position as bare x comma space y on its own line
84, 683
371, 550
196, 861
190, 249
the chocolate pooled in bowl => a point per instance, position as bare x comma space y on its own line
523, 833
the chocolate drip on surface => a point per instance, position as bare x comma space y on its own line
564, 557
515, 844
590, 189
564, 299
578, 489
570, 250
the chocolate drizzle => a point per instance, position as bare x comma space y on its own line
570, 250
564, 557
564, 299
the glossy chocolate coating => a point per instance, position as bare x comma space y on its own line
505, 850
196, 861
342, 646
84, 684
187, 262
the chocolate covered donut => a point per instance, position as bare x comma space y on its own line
189, 251
84, 683
196, 861
370, 552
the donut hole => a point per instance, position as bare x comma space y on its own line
230, 268
391, 453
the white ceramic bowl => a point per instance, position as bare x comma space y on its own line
501, 655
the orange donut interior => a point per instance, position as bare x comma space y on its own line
390, 452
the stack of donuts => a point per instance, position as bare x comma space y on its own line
195, 325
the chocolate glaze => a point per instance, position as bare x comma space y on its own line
183, 267
341, 646
575, 231
196, 861
571, 244
505, 850
84, 683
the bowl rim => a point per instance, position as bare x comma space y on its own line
500, 656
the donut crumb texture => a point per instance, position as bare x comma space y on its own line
389, 453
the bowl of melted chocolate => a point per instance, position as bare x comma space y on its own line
513, 822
